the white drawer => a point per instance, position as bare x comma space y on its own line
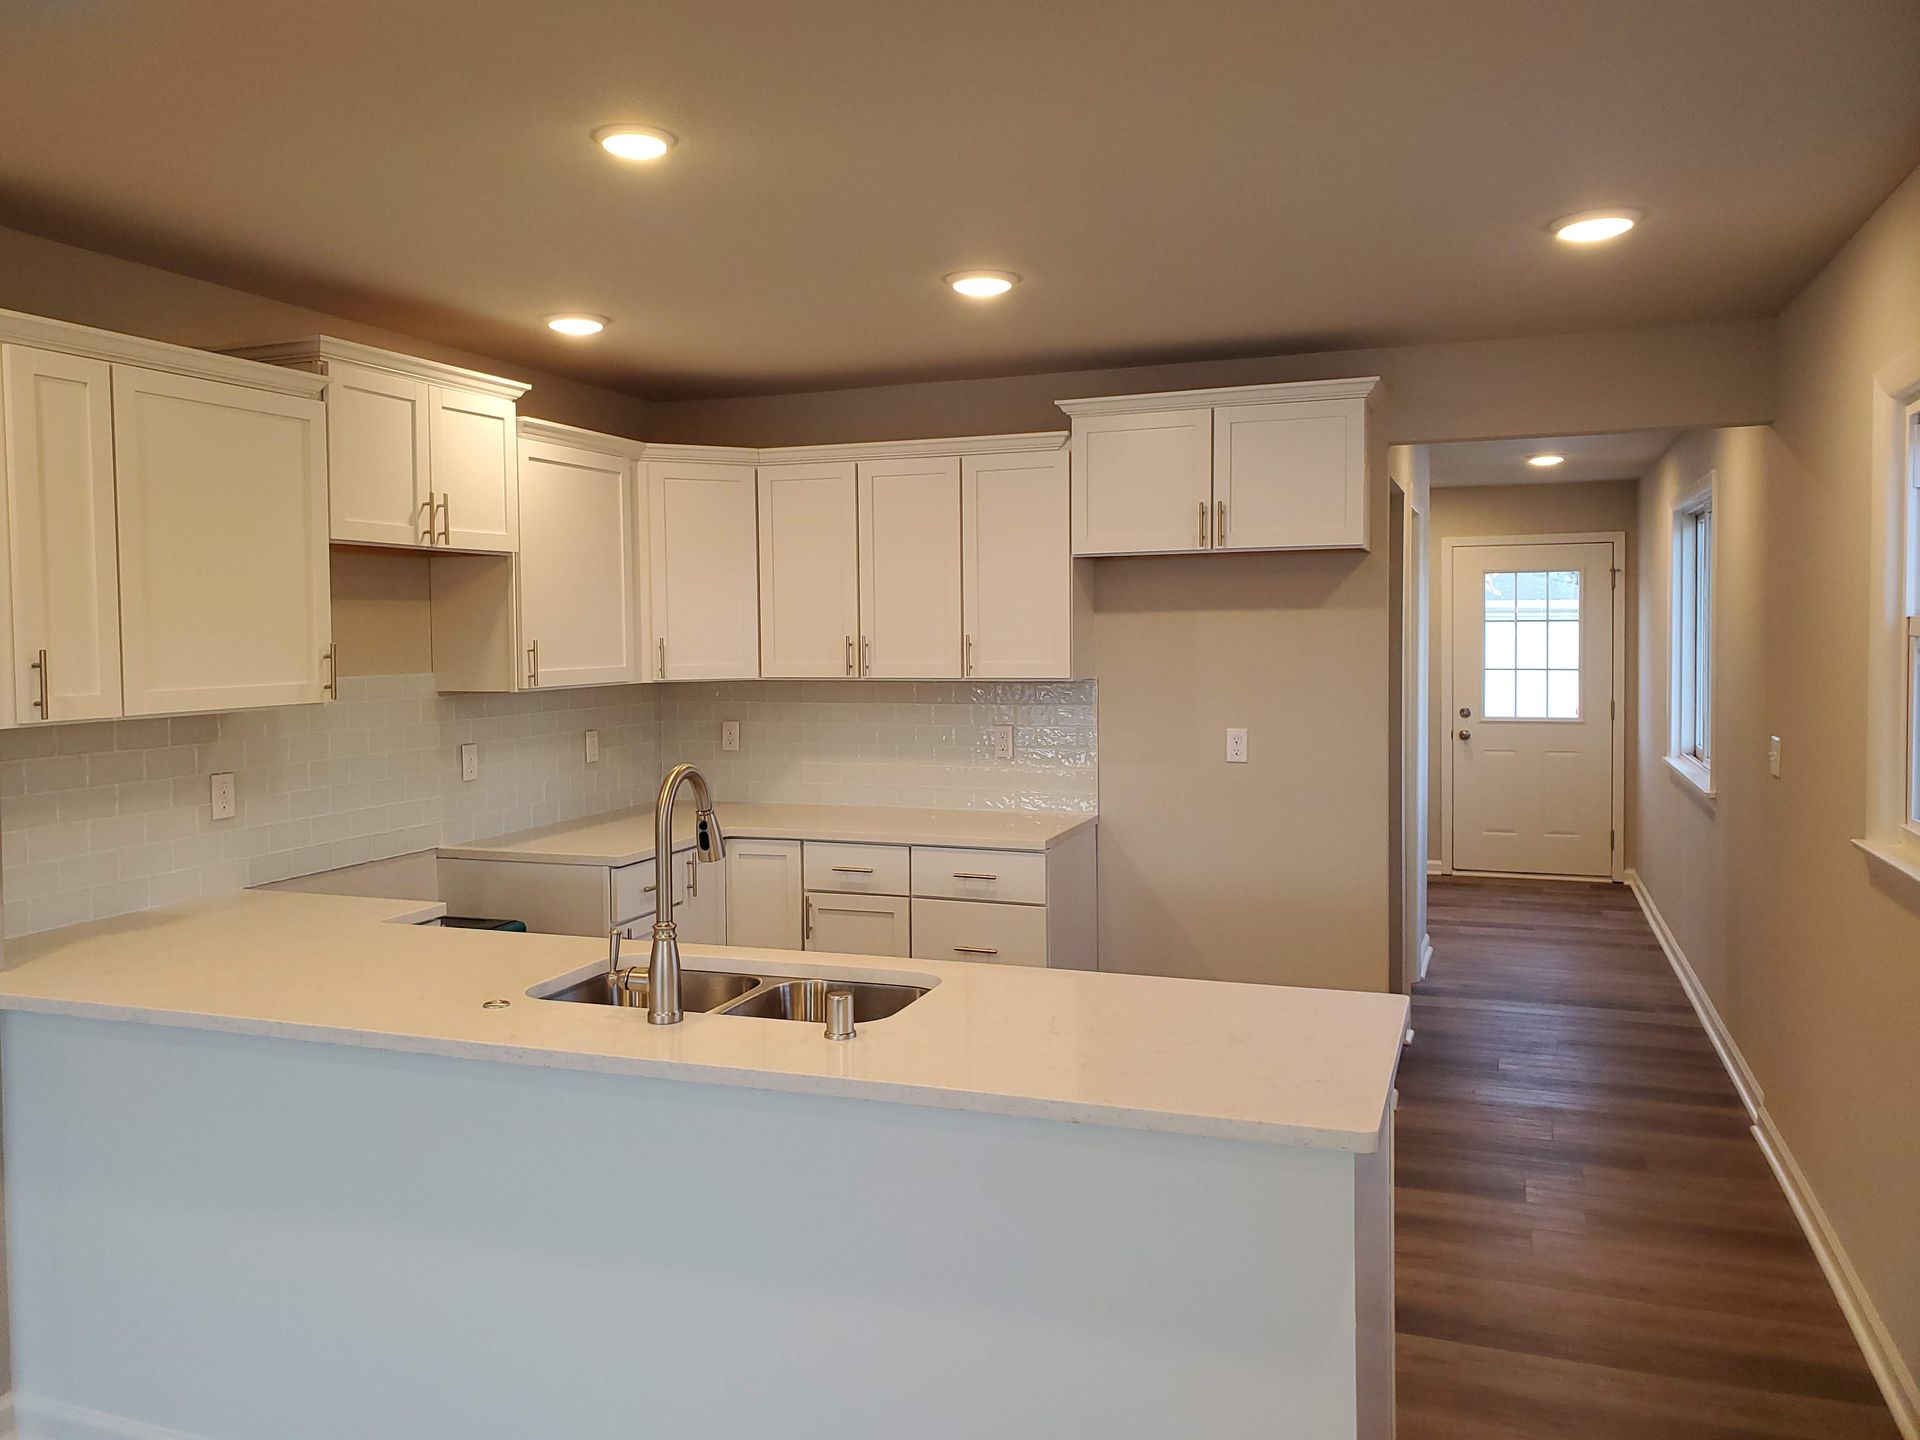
855, 869
979, 930
1016, 876
633, 892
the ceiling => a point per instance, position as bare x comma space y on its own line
1174, 181
1624, 456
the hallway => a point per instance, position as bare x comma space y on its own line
1590, 1242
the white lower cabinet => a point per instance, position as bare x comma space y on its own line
979, 930
699, 900
858, 924
765, 897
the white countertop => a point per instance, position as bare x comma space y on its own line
625, 837
1249, 1062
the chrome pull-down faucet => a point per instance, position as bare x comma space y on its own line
663, 966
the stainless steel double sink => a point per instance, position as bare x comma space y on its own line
760, 997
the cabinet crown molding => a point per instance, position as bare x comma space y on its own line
84, 340
554, 433
862, 449
314, 349
1359, 387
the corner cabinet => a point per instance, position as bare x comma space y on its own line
1253, 467
704, 580
579, 560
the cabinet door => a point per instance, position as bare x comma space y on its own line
577, 574
61, 545
763, 894
472, 470
910, 569
222, 516
1016, 566
706, 601
377, 457
1291, 475
859, 924
699, 900
1142, 483
809, 571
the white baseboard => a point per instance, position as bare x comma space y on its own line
1890, 1371
1426, 955
1435, 867
37, 1419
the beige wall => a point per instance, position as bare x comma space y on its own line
382, 612
1811, 954
1467, 511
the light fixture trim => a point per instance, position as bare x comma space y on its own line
980, 284
577, 323
635, 143
1595, 227
1546, 460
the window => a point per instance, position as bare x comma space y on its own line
1690, 685
1912, 816
1532, 654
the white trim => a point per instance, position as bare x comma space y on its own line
703, 454
1902, 856
1702, 498
1426, 955
916, 449
1890, 1371
38, 1419
316, 348
44, 334
1360, 387
1694, 773
552, 432
1434, 867
1895, 387
1618, 540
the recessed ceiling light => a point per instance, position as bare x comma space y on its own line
577, 324
1546, 462
982, 284
635, 142
1590, 227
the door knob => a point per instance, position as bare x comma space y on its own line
1466, 734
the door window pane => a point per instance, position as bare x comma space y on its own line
1531, 659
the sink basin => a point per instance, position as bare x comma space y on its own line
807, 1000
700, 990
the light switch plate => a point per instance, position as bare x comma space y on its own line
470, 761
729, 734
1236, 747
1773, 756
593, 747
1000, 740
220, 792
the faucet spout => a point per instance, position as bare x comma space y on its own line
663, 965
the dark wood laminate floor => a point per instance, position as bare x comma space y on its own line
1590, 1243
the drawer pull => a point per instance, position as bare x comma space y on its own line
649, 889
973, 875
853, 869
974, 950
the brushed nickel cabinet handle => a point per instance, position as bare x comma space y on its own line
432, 508
533, 663
332, 656
41, 703
661, 674
1203, 524
967, 666
806, 918
1219, 522
693, 877
866, 655
853, 869
849, 654
973, 875
446, 519
974, 950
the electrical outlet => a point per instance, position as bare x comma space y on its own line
729, 734
1000, 738
1236, 747
220, 792
593, 747
1773, 756
469, 761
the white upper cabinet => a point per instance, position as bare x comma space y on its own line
1290, 476
61, 549
1253, 467
809, 571
705, 562
421, 454
578, 583
222, 524
377, 457
1016, 566
910, 568
471, 454
1142, 483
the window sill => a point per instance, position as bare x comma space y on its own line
1902, 857
1698, 776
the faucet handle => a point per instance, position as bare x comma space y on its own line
614, 937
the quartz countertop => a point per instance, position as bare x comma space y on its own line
625, 837
1245, 1062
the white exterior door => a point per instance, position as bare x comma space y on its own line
705, 581
1143, 483
60, 536
1531, 730
809, 571
910, 568
473, 464
222, 511
764, 894
377, 457
1290, 475
1016, 566
577, 572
